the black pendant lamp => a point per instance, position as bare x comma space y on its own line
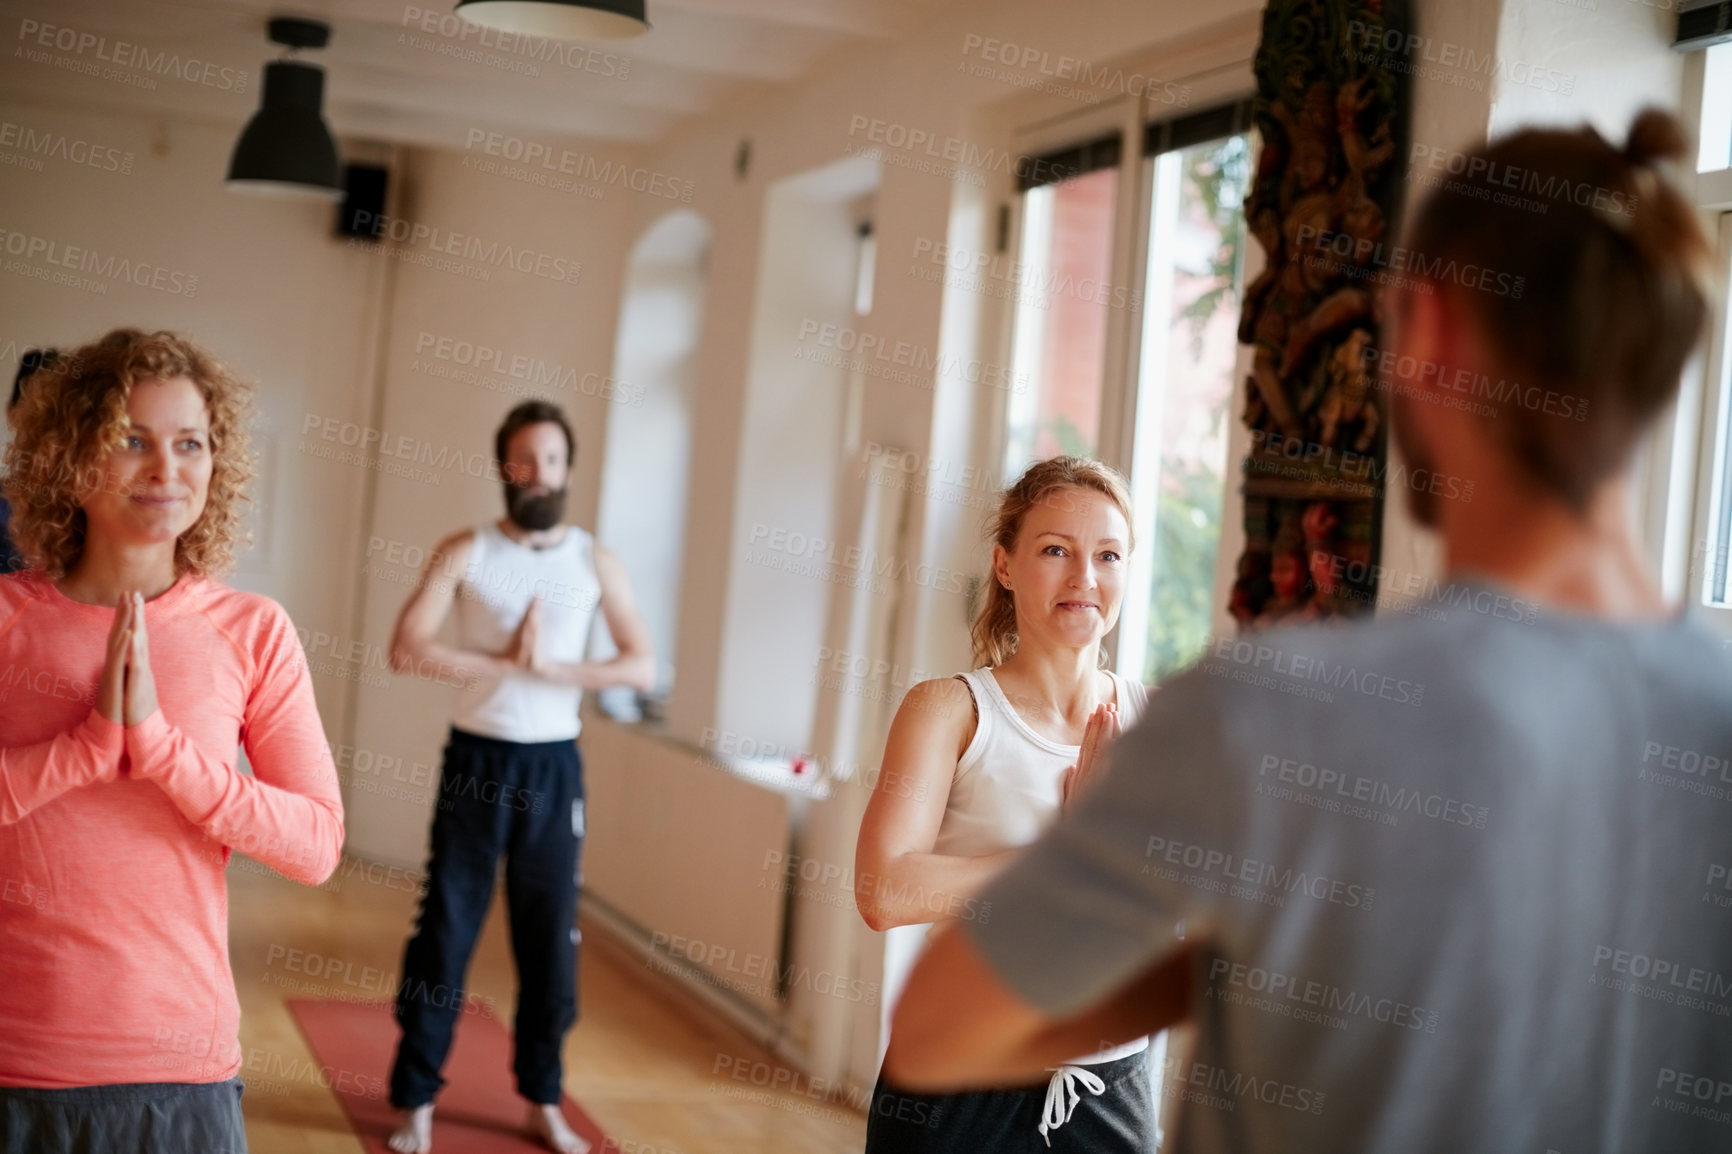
559, 19
285, 148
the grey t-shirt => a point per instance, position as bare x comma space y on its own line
1458, 882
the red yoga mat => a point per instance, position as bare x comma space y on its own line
478, 1111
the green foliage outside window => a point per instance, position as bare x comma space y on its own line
1188, 518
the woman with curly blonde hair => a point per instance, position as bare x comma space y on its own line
129, 676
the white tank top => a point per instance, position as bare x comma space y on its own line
1009, 784
502, 577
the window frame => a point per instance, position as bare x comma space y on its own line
1087, 157
1704, 395
1685, 502
1057, 138
1171, 136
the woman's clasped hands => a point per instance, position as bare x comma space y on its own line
127, 693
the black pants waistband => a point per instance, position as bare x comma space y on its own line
118, 1092
500, 745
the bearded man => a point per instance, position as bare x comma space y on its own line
526, 588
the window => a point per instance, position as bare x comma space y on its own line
642, 516
866, 260
1716, 129
1061, 282
1199, 172
1706, 401
1709, 560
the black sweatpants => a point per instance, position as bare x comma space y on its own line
1119, 1121
126, 1118
523, 800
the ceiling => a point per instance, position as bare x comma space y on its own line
410, 73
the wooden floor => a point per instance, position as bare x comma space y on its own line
641, 1060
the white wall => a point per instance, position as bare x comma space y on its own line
277, 297
1612, 59
790, 459
564, 334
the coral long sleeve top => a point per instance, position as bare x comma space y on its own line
114, 962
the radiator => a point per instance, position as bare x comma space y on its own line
675, 851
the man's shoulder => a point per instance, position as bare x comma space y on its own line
1245, 695
1327, 652
457, 545
592, 556
462, 538
1421, 672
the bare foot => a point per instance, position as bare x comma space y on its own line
549, 1125
415, 1136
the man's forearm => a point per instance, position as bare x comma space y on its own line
917, 888
1156, 999
437, 661
632, 670
958, 1028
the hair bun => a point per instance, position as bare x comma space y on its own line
1656, 135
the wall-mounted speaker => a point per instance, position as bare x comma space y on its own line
361, 214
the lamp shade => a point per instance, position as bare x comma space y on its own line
559, 19
285, 147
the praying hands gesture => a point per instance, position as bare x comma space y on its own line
524, 652
127, 694
1102, 728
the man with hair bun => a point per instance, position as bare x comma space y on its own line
1442, 883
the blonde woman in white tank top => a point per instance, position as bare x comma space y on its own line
978, 765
